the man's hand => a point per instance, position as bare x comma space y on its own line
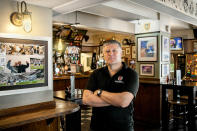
122, 99
95, 92
91, 98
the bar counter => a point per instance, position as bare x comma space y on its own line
148, 97
62, 82
189, 89
24, 120
67, 77
147, 105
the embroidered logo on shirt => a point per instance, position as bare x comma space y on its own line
120, 78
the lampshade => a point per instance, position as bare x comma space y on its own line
59, 46
27, 22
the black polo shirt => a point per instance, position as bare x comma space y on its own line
110, 117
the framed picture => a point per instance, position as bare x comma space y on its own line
165, 49
101, 51
165, 70
147, 48
195, 46
123, 53
128, 52
147, 70
176, 43
24, 63
133, 51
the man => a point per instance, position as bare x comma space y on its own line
18, 67
110, 91
12, 68
22, 68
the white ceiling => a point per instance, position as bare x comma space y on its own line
119, 9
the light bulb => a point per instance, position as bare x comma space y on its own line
27, 23
59, 47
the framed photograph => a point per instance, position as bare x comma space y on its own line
24, 63
128, 52
101, 51
147, 48
165, 70
195, 46
176, 43
133, 51
165, 53
147, 70
123, 53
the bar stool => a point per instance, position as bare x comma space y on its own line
185, 98
178, 111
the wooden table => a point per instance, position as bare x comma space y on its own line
62, 108
73, 121
62, 96
189, 88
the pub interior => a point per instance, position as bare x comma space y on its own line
59, 44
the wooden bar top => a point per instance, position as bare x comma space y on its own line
184, 83
65, 77
61, 108
149, 81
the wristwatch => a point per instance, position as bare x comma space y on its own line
99, 92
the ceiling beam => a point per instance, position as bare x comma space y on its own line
132, 8
96, 22
75, 5
167, 10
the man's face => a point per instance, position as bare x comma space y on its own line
112, 54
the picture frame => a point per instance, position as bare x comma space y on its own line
165, 70
147, 48
147, 69
176, 44
128, 51
123, 53
101, 51
25, 63
195, 46
165, 53
133, 51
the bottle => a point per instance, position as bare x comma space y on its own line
167, 79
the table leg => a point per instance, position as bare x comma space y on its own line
73, 121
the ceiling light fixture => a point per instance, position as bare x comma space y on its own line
76, 24
22, 18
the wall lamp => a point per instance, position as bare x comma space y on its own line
22, 18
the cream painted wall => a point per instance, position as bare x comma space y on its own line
186, 34
41, 30
97, 22
152, 26
41, 19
